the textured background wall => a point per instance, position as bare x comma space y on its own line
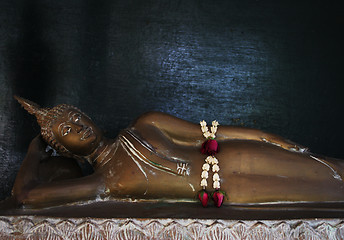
272, 65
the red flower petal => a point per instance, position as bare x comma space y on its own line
210, 147
218, 198
203, 197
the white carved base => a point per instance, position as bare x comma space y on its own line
31, 227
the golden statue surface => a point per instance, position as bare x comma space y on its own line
158, 158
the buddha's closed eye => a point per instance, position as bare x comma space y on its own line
75, 118
65, 130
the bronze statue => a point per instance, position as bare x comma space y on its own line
158, 157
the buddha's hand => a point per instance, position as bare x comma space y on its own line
27, 177
37, 149
284, 143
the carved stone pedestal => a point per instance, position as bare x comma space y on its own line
31, 227
161, 220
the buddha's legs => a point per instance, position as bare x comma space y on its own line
254, 172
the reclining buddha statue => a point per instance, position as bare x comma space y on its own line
158, 158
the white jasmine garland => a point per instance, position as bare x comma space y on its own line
215, 123
205, 129
216, 177
216, 185
204, 174
207, 134
216, 168
206, 167
204, 183
215, 161
210, 160
203, 123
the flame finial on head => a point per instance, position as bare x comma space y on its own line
34, 109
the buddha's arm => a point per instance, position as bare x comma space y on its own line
30, 189
242, 133
53, 193
185, 133
27, 176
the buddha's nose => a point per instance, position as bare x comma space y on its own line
78, 128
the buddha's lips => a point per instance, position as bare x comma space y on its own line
88, 132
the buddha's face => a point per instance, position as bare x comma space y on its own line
76, 132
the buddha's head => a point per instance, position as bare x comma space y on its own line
65, 128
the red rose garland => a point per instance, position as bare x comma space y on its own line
210, 147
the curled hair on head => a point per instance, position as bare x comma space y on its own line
45, 119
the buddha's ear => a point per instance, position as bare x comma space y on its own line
31, 107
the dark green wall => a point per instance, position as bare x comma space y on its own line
272, 65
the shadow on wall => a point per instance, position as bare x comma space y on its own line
30, 58
28, 72
30, 64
